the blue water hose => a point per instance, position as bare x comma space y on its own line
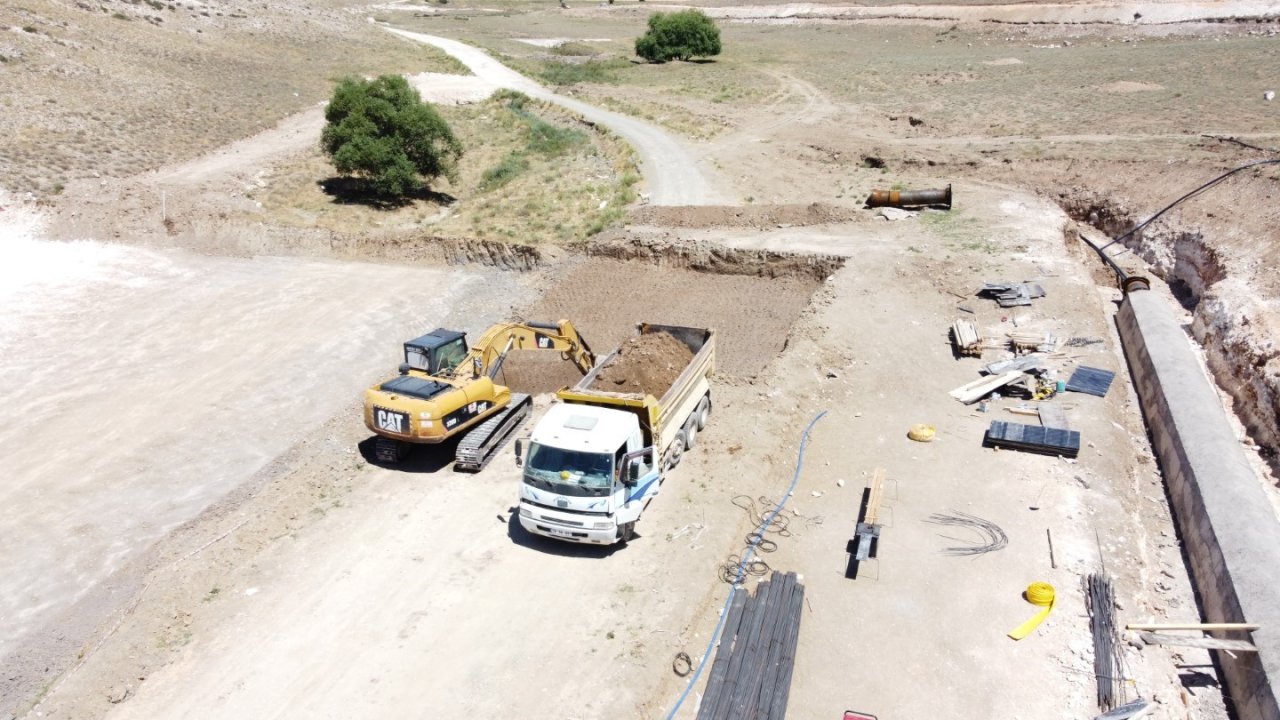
742, 566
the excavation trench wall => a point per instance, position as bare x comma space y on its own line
1237, 331
1227, 526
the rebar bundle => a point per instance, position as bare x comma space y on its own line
751, 676
1106, 638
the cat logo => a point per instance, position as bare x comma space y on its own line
390, 421
544, 342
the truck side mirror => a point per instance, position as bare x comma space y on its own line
633, 475
519, 448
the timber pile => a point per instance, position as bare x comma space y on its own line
751, 676
1035, 341
966, 337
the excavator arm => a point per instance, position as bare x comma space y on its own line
490, 350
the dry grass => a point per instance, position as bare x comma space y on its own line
122, 86
1070, 80
510, 186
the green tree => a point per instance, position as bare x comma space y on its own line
679, 36
382, 132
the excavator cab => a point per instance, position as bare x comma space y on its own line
436, 353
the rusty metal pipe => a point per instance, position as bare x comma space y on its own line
909, 198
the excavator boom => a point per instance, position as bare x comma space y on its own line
488, 353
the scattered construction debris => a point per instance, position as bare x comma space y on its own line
1027, 363
1033, 341
1091, 381
1008, 294
1101, 603
751, 675
965, 335
1031, 438
992, 536
970, 393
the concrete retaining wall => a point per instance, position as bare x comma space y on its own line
1227, 526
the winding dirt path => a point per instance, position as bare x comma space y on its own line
666, 164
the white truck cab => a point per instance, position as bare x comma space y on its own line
587, 475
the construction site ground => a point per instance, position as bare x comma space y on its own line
193, 526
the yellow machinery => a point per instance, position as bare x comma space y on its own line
445, 388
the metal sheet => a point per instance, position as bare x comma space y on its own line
1032, 438
1091, 381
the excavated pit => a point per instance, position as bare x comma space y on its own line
1228, 321
751, 299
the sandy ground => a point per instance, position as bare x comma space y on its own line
328, 587
370, 597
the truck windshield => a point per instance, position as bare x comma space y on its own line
569, 472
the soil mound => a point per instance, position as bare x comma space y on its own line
647, 363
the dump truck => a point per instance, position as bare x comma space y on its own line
597, 457
446, 388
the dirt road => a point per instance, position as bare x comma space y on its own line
670, 175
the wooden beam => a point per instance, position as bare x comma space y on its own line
1192, 626
1208, 643
970, 393
873, 501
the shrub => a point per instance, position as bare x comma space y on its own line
504, 172
383, 133
679, 36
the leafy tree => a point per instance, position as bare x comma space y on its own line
679, 36
382, 132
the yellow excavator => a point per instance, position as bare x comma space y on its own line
445, 388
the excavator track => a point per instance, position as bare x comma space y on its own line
478, 446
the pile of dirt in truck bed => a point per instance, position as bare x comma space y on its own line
647, 363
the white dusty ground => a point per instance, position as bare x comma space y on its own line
142, 385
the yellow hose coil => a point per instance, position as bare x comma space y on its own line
921, 432
1038, 593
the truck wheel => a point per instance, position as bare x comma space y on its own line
676, 452
703, 411
691, 432
626, 531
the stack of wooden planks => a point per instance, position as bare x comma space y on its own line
1033, 340
751, 676
965, 335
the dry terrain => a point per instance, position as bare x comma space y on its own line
193, 524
